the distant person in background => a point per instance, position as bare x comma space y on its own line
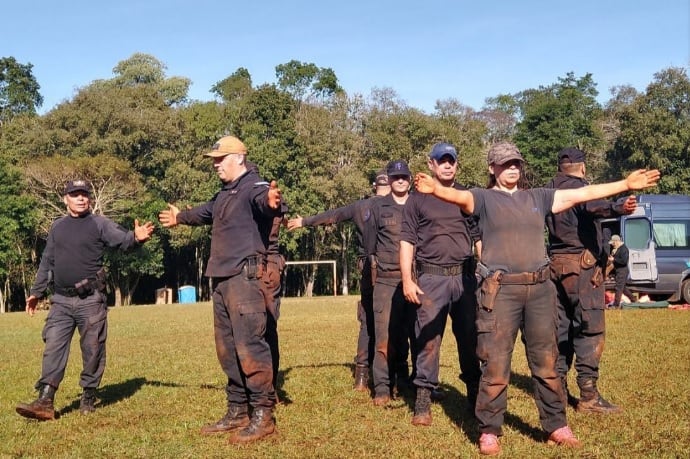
359, 213
619, 258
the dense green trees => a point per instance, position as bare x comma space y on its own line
19, 90
139, 139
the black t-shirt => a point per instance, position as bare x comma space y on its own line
438, 229
575, 229
512, 227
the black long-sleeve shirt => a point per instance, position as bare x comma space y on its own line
358, 212
74, 250
236, 213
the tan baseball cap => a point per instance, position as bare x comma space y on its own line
227, 145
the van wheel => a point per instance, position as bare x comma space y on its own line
685, 290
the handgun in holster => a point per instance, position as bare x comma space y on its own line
490, 285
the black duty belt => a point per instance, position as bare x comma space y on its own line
66, 291
389, 274
425, 268
527, 278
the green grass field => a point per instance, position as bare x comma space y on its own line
162, 383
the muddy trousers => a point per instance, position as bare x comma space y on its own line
581, 326
393, 319
365, 316
531, 308
239, 321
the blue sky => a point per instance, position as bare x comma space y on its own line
425, 51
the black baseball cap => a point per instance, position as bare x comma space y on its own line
571, 155
77, 185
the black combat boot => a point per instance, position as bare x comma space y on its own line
88, 401
361, 378
422, 407
402, 380
236, 418
591, 400
42, 408
262, 425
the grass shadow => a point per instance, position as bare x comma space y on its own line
113, 393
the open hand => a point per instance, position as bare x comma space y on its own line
294, 223
424, 183
168, 217
31, 303
142, 233
642, 178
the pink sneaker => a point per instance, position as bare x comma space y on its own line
488, 444
564, 437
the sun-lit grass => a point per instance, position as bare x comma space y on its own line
162, 383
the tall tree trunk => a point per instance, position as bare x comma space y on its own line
118, 295
310, 282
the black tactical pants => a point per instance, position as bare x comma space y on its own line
581, 319
67, 313
393, 317
239, 320
444, 295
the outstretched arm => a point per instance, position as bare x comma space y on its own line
637, 180
424, 183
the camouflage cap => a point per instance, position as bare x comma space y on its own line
503, 152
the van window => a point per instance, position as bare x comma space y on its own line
637, 233
672, 234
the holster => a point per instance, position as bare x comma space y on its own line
254, 267
374, 264
489, 289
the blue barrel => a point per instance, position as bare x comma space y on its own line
186, 294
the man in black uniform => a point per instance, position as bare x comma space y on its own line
74, 258
578, 261
359, 213
236, 267
437, 267
393, 315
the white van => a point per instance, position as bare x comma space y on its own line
657, 235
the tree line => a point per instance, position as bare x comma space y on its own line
138, 138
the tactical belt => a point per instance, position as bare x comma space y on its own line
425, 268
66, 291
531, 278
389, 274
